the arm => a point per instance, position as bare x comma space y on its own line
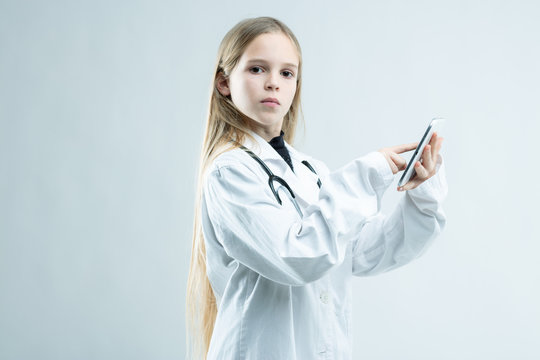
272, 239
387, 242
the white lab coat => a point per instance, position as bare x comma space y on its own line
283, 283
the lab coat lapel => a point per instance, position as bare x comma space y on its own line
304, 180
262, 149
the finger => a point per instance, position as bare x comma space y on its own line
433, 139
421, 172
411, 184
427, 158
438, 147
433, 142
420, 176
391, 162
400, 162
435, 150
398, 149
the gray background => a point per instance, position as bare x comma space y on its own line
102, 106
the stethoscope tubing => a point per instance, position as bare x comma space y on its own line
272, 177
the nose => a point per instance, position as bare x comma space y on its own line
272, 81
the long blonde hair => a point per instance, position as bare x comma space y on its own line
225, 122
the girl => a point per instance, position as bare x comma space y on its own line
277, 236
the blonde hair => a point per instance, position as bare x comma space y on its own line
225, 122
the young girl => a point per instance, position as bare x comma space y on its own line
277, 236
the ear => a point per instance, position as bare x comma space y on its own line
222, 84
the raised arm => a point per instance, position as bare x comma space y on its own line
387, 242
272, 239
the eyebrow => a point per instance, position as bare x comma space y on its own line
266, 62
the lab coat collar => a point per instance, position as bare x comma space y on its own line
266, 152
261, 147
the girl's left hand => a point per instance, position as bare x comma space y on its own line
424, 169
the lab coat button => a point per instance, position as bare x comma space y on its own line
324, 297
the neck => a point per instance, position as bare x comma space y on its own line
266, 133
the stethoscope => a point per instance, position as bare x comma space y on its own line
272, 178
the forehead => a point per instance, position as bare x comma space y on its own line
273, 47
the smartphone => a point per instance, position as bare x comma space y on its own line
434, 125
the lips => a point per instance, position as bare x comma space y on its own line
272, 100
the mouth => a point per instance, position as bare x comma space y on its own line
270, 101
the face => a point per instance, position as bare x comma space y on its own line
266, 70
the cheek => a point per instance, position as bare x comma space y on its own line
244, 89
250, 85
292, 91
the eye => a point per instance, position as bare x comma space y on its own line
255, 67
290, 74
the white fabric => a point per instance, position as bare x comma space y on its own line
282, 282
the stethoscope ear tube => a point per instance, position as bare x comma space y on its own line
308, 165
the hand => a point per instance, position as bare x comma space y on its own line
424, 169
396, 162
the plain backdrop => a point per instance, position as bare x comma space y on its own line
102, 110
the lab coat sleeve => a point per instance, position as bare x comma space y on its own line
388, 242
272, 239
